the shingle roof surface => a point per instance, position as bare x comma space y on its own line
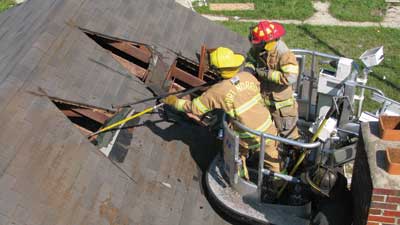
49, 172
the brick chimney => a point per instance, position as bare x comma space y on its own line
376, 193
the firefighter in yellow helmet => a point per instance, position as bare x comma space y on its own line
238, 94
276, 67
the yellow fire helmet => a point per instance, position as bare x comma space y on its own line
227, 61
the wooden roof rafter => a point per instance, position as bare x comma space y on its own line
135, 57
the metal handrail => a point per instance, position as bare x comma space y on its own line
374, 90
277, 138
282, 176
263, 137
314, 54
380, 92
309, 52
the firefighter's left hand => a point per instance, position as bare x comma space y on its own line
262, 72
170, 100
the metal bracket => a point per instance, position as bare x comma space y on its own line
345, 98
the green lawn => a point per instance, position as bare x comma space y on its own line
5, 4
350, 42
358, 10
277, 9
347, 10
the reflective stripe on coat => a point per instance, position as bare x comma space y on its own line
283, 71
241, 100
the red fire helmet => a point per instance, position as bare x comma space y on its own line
267, 31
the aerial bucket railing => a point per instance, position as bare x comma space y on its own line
311, 71
356, 79
345, 86
231, 145
325, 81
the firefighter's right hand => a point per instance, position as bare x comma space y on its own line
262, 72
170, 100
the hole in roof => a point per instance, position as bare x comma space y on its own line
192, 68
185, 74
89, 119
135, 57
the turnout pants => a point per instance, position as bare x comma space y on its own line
285, 120
272, 160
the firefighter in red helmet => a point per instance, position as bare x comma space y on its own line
276, 67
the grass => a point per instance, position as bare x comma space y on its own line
6, 4
350, 42
358, 10
277, 9
346, 10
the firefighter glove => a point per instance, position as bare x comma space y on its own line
170, 100
262, 72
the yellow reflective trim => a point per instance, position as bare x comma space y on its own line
285, 103
265, 125
262, 128
245, 135
250, 65
248, 105
200, 106
261, 34
267, 102
255, 146
281, 104
290, 69
231, 113
275, 77
179, 104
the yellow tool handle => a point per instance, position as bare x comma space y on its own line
315, 136
299, 161
246, 172
303, 155
126, 119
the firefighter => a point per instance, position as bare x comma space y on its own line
238, 94
277, 69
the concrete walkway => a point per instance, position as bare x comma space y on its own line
186, 3
320, 17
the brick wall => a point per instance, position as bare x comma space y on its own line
385, 207
372, 206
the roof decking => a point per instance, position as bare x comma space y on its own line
49, 172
